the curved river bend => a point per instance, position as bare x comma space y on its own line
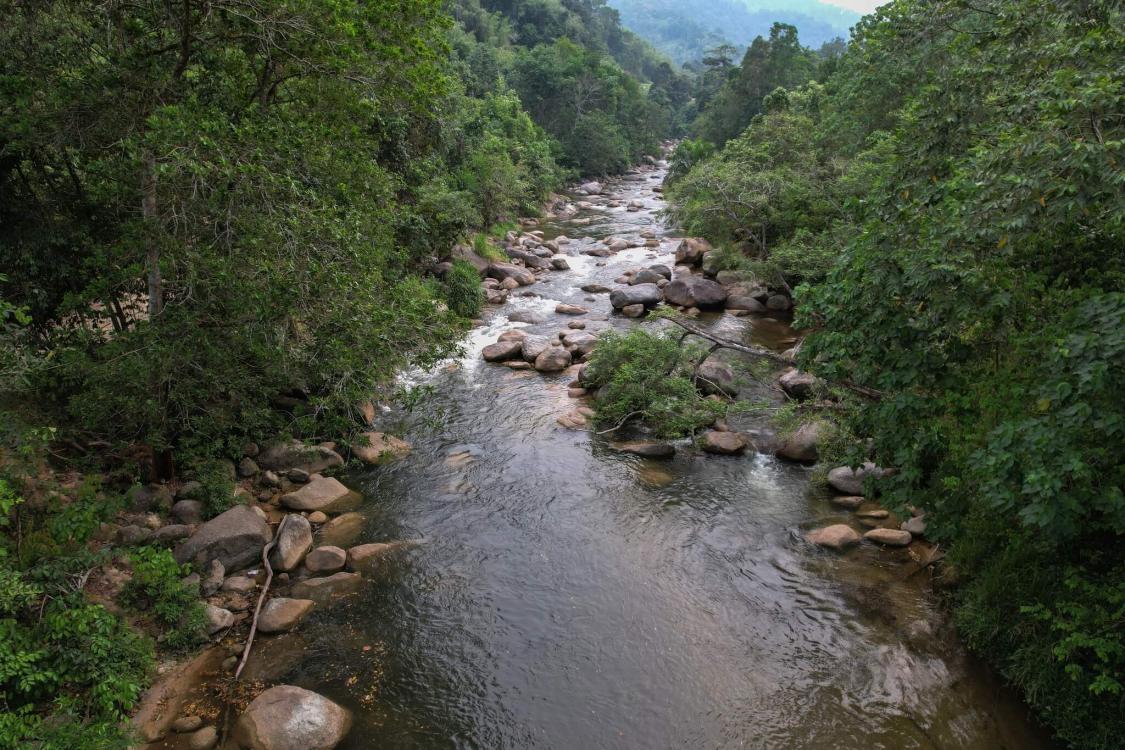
566, 596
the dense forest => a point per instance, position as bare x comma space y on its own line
224, 221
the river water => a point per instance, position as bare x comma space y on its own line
563, 595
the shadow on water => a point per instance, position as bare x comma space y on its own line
567, 596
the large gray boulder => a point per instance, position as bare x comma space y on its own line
648, 295
691, 251
798, 385
802, 444
502, 351
235, 538
693, 291
502, 271
294, 540
280, 615
554, 359
287, 717
533, 346
325, 494
530, 259
849, 481
296, 455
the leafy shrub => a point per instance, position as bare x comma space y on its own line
217, 491
157, 589
647, 376
463, 290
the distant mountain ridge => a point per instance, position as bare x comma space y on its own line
684, 29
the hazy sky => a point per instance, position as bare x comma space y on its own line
863, 6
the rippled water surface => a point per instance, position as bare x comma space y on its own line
566, 596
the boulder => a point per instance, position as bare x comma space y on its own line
749, 304
286, 717
647, 276
798, 385
296, 455
203, 739
502, 351
851, 502
238, 584
170, 533
324, 560
325, 494
364, 558
778, 303
213, 580
343, 530
596, 289
553, 359
324, 590
916, 526
217, 618
281, 615
850, 481
144, 498
838, 536
533, 346
560, 264
889, 537
530, 260
715, 378
294, 540
566, 309
801, 445
633, 311
591, 188
503, 271
691, 251
580, 343
648, 295
467, 254
379, 448
235, 538
646, 448
724, 443
693, 291
247, 467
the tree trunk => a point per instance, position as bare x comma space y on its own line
148, 211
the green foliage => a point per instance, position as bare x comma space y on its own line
647, 376
778, 60
217, 486
483, 247
463, 290
157, 589
688, 153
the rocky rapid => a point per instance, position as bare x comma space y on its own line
559, 593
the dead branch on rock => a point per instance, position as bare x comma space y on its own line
756, 351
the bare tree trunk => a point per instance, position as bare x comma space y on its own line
148, 211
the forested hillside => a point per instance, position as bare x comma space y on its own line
946, 198
686, 31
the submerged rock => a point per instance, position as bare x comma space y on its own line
281, 615
324, 590
838, 536
379, 448
889, 537
646, 448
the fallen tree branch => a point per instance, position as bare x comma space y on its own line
620, 424
756, 351
261, 597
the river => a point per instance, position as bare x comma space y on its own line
563, 595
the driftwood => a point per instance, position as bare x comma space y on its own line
261, 597
756, 351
